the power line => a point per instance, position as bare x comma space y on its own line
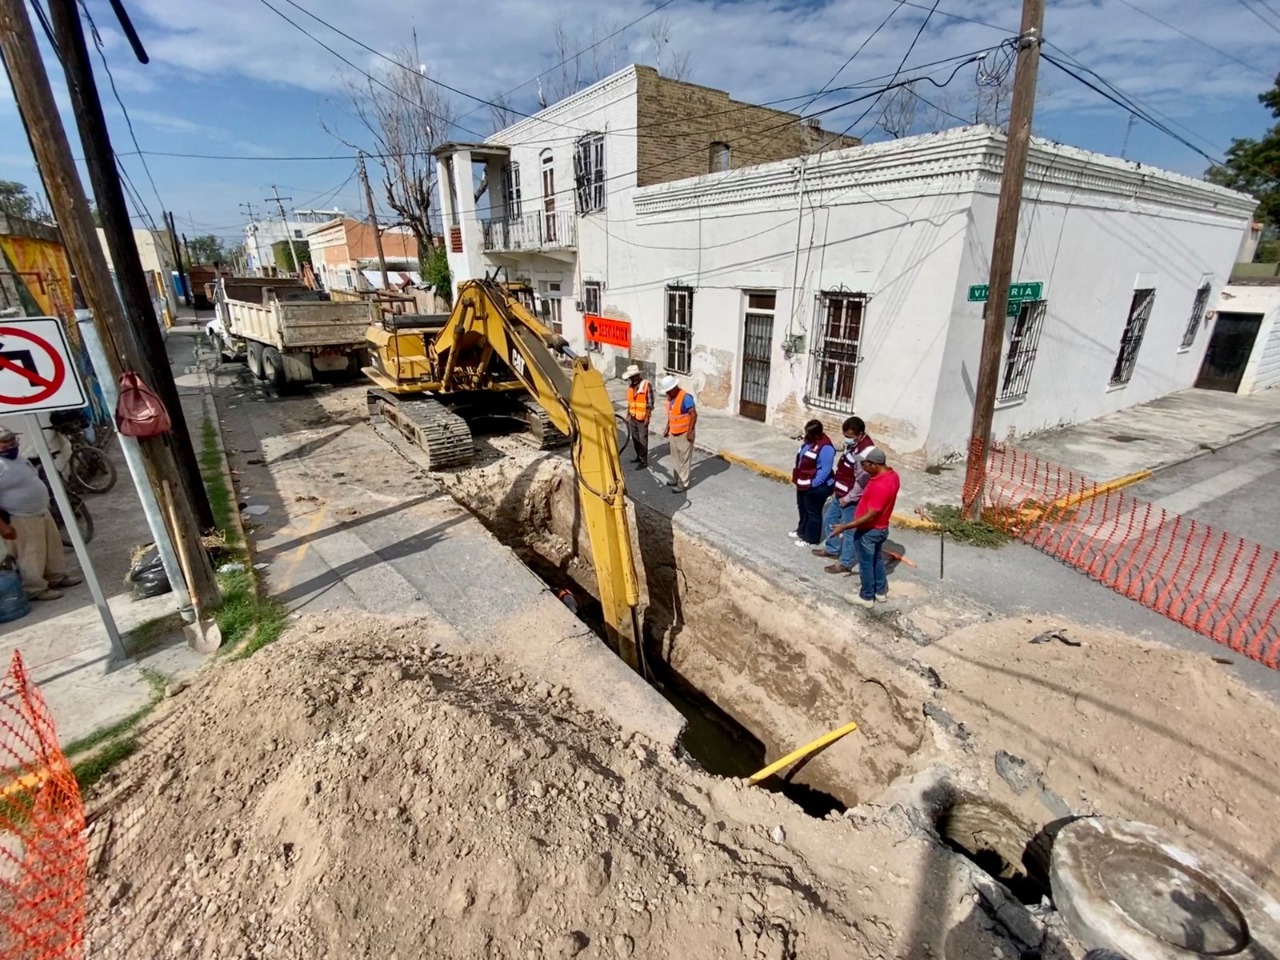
1257, 14
862, 46
1192, 37
623, 29
914, 40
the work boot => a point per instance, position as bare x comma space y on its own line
837, 568
70, 580
49, 594
821, 553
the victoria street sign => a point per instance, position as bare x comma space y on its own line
1034, 290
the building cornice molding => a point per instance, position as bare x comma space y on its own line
517, 132
969, 159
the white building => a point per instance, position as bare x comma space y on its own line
1243, 355
260, 235
841, 281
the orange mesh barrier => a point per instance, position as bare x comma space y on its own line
1213, 582
42, 835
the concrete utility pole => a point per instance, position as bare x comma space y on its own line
253, 230
293, 251
373, 219
1015, 169
122, 339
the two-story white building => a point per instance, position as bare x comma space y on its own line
849, 278
261, 235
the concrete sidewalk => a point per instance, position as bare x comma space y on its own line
1151, 436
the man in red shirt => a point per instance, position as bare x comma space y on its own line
870, 527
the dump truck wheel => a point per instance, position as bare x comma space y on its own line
273, 368
254, 351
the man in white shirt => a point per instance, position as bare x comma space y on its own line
24, 500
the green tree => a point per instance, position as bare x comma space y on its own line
205, 249
435, 272
16, 200
284, 254
1253, 166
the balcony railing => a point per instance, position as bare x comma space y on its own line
533, 231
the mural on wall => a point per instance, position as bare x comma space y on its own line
38, 272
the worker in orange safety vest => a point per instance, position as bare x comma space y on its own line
639, 413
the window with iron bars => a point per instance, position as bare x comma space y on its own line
1197, 316
1135, 328
511, 189
588, 172
837, 343
679, 328
1024, 338
591, 290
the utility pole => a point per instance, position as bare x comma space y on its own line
126, 338
100, 160
253, 230
1015, 169
373, 220
293, 251
183, 274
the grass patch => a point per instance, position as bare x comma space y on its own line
103, 734
222, 500
979, 533
96, 766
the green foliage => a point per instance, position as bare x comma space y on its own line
284, 254
205, 249
436, 275
1268, 252
1253, 166
16, 200
98, 764
221, 499
954, 523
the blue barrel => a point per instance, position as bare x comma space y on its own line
13, 599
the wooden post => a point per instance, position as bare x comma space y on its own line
373, 219
31, 89
1015, 168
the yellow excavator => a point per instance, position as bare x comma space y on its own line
491, 358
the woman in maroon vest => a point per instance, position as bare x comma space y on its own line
814, 480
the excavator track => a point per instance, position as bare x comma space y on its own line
542, 433
428, 424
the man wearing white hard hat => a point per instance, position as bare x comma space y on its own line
639, 413
682, 425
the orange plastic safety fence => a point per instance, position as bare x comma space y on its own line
1217, 584
42, 835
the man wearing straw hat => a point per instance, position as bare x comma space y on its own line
639, 413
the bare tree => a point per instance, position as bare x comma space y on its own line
407, 117
898, 115
675, 64
501, 113
566, 78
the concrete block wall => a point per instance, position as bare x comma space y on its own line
678, 122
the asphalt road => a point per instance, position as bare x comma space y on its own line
1233, 488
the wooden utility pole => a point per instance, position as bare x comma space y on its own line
121, 338
373, 220
100, 161
288, 233
184, 275
1015, 169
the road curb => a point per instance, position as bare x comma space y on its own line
1229, 442
755, 466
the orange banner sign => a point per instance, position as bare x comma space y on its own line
616, 333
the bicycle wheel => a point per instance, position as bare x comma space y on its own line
83, 520
91, 470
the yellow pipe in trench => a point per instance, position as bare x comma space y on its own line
804, 751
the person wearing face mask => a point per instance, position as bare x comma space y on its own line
28, 524
813, 481
850, 480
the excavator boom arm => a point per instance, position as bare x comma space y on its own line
488, 319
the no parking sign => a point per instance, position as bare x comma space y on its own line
36, 370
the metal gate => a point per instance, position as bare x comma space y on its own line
756, 345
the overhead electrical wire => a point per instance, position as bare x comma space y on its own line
1194, 39
914, 40
1258, 14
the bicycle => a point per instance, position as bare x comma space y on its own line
83, 519
88, 467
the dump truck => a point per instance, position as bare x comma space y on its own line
287, 332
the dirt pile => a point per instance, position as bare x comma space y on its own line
351, 791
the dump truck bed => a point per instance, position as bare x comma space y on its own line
299, 324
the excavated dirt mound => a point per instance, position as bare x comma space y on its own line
353, 792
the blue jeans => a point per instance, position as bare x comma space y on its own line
870, 545
841, 544
809, 505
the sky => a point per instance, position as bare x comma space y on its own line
235, 79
